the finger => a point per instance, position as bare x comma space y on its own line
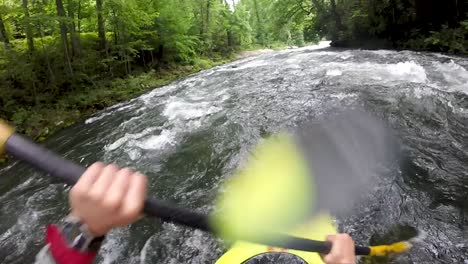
348, 243
331, 238
102, 183
118, 189
88, 178
336, 251
133, 202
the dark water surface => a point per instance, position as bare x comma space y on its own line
188, 136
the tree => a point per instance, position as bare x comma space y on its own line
337, 17
27, 25
75, 39
261, 34
64, 35
3, 33
101, 28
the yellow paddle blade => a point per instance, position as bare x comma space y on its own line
273, 193
386, 250
5, 133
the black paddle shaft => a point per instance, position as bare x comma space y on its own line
69, 172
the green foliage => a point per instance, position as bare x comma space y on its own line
454, 40
287, 21
421, 25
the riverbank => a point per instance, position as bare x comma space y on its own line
42, 120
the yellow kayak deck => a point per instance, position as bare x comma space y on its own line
316, 229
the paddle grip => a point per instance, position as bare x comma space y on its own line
69, 172
318, 246
362, 251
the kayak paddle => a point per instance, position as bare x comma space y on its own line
274, 192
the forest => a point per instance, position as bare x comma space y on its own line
432, 25
62, 60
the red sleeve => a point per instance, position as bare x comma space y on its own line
61, 252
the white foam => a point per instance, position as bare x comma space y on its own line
334, 72
19, 232
421, 92
134, 154
167, 137
410, 71
8, 167
368, 72
180, 110
182, 117
129, 138
459, 110
346, 56
455, 76
251, 64
109, 112
30, 214
157, 92
186, 241
320, 45
97, 118
19, 187
441, 56
384, 52
131, 120
325, 53
113, 247
342, 96
144, 250
293, 62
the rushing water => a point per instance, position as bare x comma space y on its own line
190, 135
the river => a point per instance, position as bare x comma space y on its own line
192, 134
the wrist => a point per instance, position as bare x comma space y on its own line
78, 235
93, 228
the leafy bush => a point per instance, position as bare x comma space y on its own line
453, 40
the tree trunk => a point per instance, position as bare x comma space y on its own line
75, 38
207, 21
79, 16
229, 38
114, 28
336, 16
3, 34
260, 32
29, 35
101, 27
202, 20
63, 34
40, 29
46, 53
318, 6
160, 53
